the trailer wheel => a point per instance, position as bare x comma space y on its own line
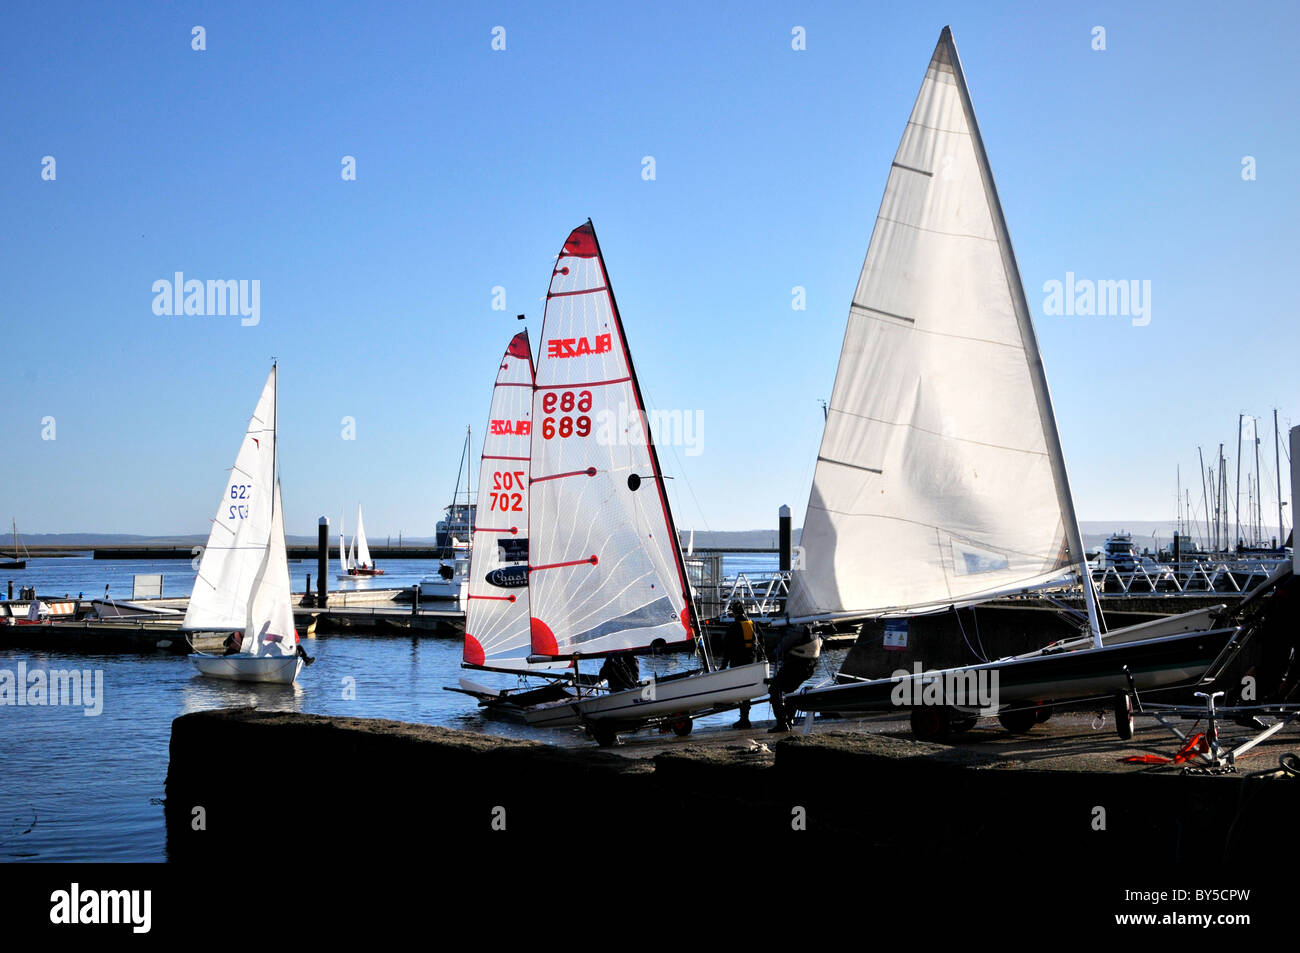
1124, 715
683, 727
605, 735
930, 722
962, 720
1043, 712
1019, 721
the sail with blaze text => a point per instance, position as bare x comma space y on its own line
940, 480
496, 616
605, 568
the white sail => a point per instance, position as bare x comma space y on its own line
940, 479
343, 549
237, 542
352, 553
496, 615
269, 627
605, 570
359, 541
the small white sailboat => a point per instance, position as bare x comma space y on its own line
497, 634
242, 586
940, 481
605, 569
345, 562
359, 561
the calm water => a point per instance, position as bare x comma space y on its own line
74, 787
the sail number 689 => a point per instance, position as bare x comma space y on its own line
566, 402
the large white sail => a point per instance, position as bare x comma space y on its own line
605, 570
359, 541
343, 548
237, 542
940, 479
496, 616
269, 628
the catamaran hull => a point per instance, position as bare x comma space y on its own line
273, 669
1165, 662
657, 699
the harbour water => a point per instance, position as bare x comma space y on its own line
75, 787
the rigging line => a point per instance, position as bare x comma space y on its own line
672, 447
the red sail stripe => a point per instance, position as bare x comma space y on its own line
592, 560
494, 598
489, 456
590, 471
617, 380
512, 530
566, 294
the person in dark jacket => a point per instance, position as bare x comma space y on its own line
739, 647
796, 658
621, 671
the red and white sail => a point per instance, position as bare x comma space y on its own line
605, 569
496, 617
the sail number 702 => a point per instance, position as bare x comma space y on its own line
503, 481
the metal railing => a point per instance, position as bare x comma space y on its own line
1185, 578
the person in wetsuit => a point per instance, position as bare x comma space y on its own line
796, 658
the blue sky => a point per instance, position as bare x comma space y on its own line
474, 164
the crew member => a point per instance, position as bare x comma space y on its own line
796, 658
739, 648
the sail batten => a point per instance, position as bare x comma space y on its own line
605, 570
940, 479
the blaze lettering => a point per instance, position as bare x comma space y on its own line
576, 347
516, 427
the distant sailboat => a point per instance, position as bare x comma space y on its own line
605, 566
940, 481
242, 585
359, 562
20, 555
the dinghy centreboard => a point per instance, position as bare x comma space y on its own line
243, 579
605, 565
940, 481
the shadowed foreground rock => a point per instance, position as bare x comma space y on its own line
365, 788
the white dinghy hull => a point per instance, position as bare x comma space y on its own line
272, 669
657, 699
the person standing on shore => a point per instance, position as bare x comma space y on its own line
739, 647
796, 659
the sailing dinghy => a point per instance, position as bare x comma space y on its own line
359, 561
605, 570
496, 608
940, 481
243, 580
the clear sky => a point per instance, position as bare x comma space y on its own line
472, 165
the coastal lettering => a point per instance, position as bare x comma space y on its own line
576, 347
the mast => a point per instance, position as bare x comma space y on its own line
1205, 496
1259, 498
1074, 538
1277, 459
1237, 501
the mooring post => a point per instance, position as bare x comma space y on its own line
306, 592
11, 590
415, 600
784, 538
322, 562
